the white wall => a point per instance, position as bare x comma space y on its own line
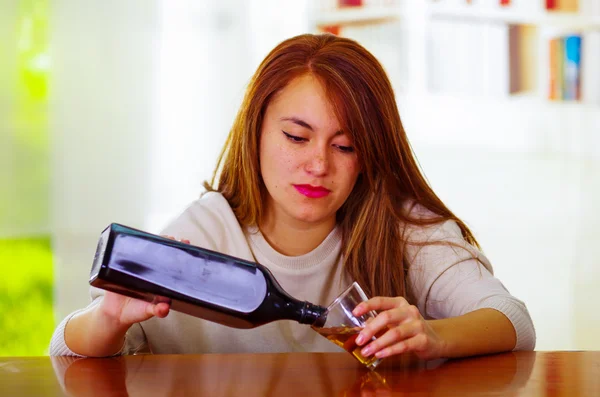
102, 123
202, 70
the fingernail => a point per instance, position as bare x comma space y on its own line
366, 351
360, 339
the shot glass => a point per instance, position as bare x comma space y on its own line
341, 327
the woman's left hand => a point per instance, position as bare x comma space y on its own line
407, 330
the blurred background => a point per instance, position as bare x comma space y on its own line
115, 111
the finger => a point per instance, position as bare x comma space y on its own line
379, 303
183, 240
161, 309
386, 319
418, 343
150, 309
393, 336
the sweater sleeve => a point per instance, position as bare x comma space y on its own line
58, 346
448, 277
135, 339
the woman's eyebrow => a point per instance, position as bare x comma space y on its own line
302, 123
297, 121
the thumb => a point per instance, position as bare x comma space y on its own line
150, 309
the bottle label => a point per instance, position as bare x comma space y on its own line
201, 275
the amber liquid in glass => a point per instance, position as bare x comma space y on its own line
345, 337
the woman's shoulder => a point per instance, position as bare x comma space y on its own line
437, 241
425, 225
207, 221
212, 200
209, 206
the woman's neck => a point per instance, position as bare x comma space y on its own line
294, 238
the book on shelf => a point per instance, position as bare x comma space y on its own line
522, 58
572, 69
330, 5
487, 5
573, 64
333, 29
563, 5
554, 66
582, 7
350, 3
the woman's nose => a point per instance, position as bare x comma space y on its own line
318, 162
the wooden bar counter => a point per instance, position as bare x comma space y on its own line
302, 374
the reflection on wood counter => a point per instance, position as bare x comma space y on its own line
302, 374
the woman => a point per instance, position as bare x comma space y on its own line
317, 181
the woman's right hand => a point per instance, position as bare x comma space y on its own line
126, 311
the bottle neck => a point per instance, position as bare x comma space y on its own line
278, 305
313, 314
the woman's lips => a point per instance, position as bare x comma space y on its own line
312, 191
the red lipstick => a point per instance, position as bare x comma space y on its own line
312, 191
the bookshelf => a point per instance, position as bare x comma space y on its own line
483, 62
509, 44
506, 15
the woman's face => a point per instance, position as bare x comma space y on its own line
308, 165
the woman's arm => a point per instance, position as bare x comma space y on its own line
451, 284
482, 331
90, 333
99, 331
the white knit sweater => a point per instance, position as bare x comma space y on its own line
444, 281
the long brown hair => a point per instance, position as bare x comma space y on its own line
364, 103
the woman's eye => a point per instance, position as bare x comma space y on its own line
345, 149
294, 138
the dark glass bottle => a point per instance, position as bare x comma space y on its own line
196, 281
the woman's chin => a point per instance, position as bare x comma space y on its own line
313, 217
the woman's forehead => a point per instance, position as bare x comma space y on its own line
304, 101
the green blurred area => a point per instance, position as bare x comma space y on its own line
26, 298
25, 171
26, 320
